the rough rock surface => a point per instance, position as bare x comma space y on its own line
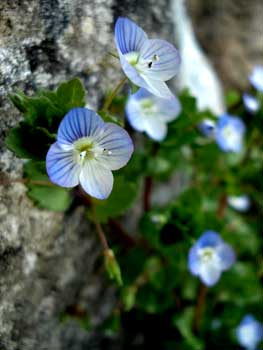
231, 34
47, 261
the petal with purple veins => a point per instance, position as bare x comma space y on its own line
78, 123
160, 59
61, 166
96, 180
117, 146
128, 36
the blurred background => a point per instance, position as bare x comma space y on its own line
53, 294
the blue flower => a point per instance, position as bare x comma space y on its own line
208, 127
229, 133
151, 114
256, 78
251, 103
240, 203
249, 332
148, 63
86, 151
209, 257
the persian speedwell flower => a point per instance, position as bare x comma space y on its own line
148, 63
251, 103
240, 203
86, 151
207, 127
256, 78
151, 114
249, 332
209, 257
229, 133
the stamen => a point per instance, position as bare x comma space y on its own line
105, 151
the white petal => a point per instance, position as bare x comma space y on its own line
160, 59
96, 180
209, 273
117, 144
157, 87
155, 128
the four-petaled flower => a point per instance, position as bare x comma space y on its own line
209, 257
148, 63
249, 332
229, 133
149, 113
256, 78
86, 151
251, 103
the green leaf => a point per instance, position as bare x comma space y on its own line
122, 197
27, 141
71, 94
112, 267
109, 118
184, 325
46, 196
52, 198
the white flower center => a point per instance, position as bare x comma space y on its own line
139, 63
86, 149
207, 254
148, 107
230, 134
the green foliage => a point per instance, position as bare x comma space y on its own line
112, 267
120, 200
157, 288
42, 115
42, 191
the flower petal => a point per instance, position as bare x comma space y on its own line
117, 142
194, 261
61, 167
169, 108
209, 239
77, 123
226, 255
128, 36
160, 59
209, 274
256, 78
133, 109
132, 73
156, 128
156, 87
96, 180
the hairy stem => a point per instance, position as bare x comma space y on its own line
199, 309
113, 94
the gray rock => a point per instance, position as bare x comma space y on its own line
47, 260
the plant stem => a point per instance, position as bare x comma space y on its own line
113, 54
113, 94
199, 307
148, 184
25, 181
100, 232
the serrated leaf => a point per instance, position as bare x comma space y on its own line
71, 94
122, 197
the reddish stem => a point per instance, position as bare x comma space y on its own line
199, 309
148, 185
